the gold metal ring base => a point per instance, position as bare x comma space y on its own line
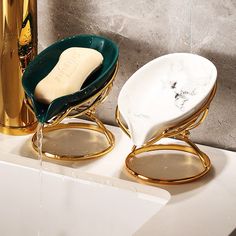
11, 130
84, 126
202, 157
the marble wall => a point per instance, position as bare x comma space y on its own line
145, 29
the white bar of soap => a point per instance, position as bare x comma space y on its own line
74, 66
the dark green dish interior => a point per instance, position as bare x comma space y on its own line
48, 58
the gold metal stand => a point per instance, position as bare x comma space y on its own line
181, 132
86, 108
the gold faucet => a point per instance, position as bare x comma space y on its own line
18, 46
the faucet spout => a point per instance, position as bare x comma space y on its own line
18, 46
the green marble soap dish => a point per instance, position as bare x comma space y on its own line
84, 102
41, 66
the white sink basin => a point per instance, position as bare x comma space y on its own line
35, 202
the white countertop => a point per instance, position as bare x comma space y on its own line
204, 207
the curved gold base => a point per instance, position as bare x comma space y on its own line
203, 159
11, 130
181, 132
92, 127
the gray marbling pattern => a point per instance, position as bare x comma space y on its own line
176, 85
148, 29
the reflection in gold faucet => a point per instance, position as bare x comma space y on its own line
25, 43
18, 46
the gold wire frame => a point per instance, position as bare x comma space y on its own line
181, 131
86, 108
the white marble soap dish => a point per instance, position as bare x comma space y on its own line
167, 97
164, 92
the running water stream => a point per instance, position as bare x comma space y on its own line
39, 141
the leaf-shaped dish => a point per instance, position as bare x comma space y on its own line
48, 58
164, 92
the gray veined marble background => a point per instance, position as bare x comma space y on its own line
145, 29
